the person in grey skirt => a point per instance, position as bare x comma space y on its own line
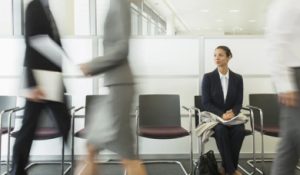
283, 38
110, 128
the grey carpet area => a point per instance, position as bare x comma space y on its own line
116, 169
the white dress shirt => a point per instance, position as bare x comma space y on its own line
224, 82
283, 42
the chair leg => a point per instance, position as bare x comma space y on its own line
63, 157
191, 154
249, 162
8, 154
244, 170
137, 145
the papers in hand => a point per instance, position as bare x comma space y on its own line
51, 83
226, 121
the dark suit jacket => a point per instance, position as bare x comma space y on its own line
212, 93
38, 22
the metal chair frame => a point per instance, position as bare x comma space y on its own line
262, 160
1, 115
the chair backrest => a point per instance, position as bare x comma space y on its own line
198, 104
7, 102
270, 107
46, 120
68, 101
93, 103
159, 110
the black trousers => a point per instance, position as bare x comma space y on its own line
229, 140
26, 134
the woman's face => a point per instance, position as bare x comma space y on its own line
221, 59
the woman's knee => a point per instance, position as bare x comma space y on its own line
220, 129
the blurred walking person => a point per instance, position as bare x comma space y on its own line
110, 128
42, 65
283, 36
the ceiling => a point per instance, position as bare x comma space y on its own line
204, 17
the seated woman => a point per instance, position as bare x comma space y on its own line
222, 95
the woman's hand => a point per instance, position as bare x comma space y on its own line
228, 115
85, 70
289, 99
36, 94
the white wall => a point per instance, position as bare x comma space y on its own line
166, 65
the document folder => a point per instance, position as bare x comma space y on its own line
51, 83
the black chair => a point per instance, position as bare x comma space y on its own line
158, 117
199, 107
45, 130
266, 120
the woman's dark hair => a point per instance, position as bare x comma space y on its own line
226, 49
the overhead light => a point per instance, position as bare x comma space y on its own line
251, 20
204, 10
219, 20
234, 11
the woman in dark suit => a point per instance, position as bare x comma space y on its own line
222, 95
39, 22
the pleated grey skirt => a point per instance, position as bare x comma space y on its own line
110, 125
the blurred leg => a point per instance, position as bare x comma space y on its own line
90, 168
62, 117
134, 167
287, 151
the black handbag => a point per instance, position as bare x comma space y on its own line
206, 165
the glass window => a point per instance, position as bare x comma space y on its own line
81, 17
145, 26
134, 22
6, 20
102, 8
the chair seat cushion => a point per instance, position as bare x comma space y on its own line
4, 130
270, 130
163, 132
81, 133
43, 133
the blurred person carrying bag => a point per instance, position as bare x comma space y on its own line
206, 165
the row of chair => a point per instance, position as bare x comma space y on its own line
158, 117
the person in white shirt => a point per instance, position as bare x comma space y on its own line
283, 41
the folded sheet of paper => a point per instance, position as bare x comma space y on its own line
51, 84
226, 121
